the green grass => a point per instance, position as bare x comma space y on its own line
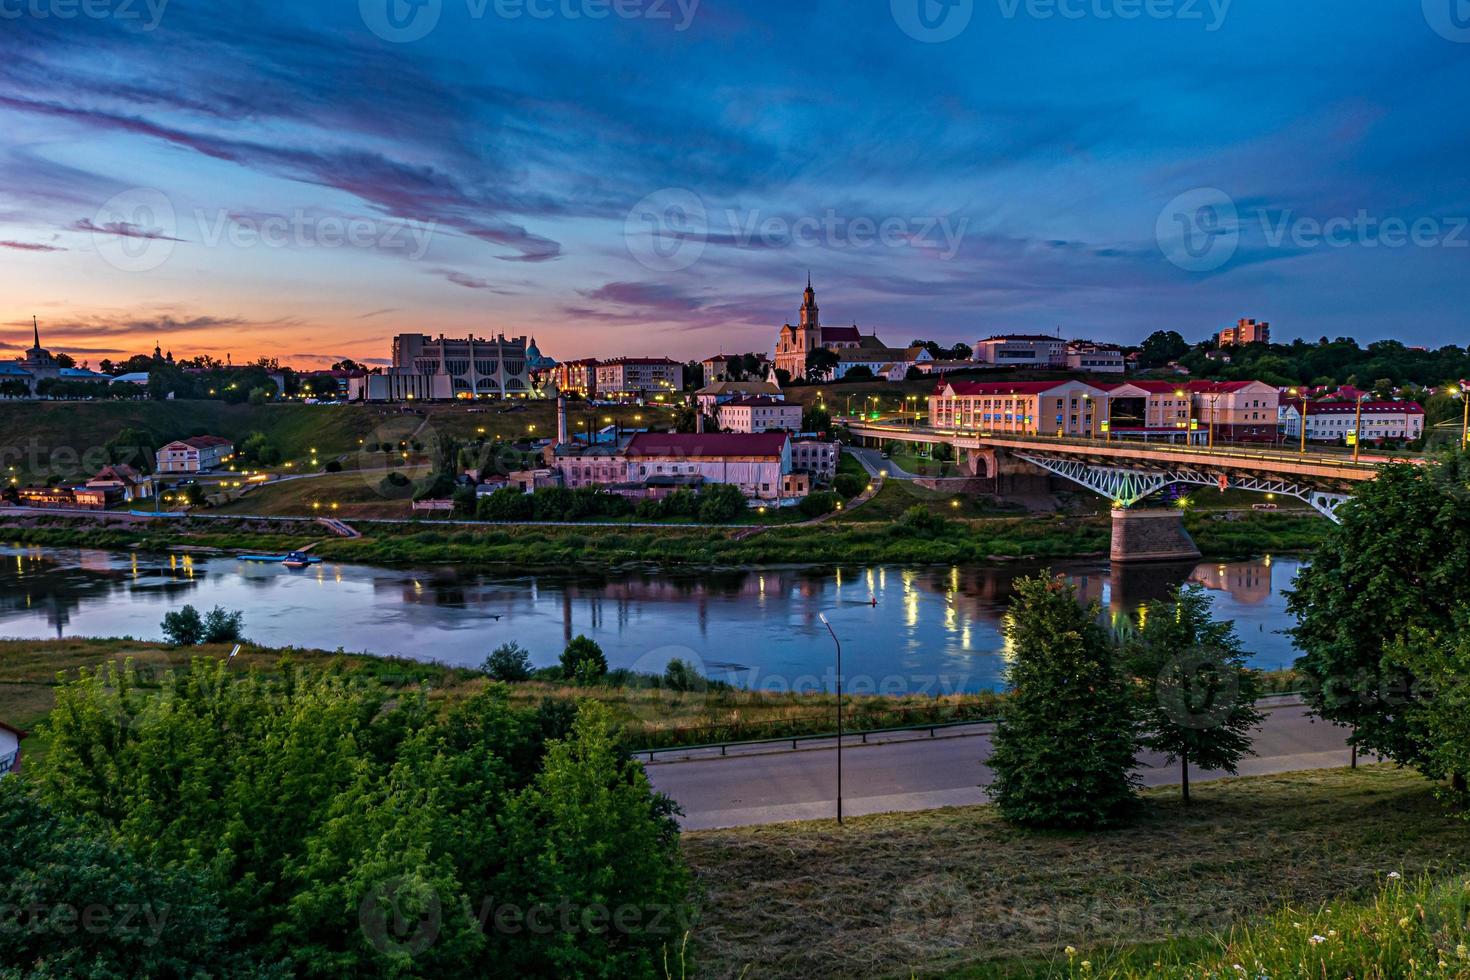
959, 893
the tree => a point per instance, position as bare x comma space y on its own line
223, 626
859, 372
508, 662
1440, 662
721, 503
1394, 565
820, 363
815, 419
1162, 347
1198, 696
817, 504
583, 661
1064, 748
184, 628
153, 923
505, 504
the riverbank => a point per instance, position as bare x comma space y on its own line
646, 716
1219, 535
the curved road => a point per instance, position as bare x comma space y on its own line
916, 772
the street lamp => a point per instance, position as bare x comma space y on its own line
1298, 391
823, 618
1464, 395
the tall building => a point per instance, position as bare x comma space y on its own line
1244, 332
477, 367
639, 377
794, 343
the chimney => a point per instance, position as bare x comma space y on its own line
561, 421
698, 420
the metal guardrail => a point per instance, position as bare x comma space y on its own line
933, 728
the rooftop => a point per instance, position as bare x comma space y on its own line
697, 445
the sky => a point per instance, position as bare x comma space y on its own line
645, 177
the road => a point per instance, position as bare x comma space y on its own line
923, 773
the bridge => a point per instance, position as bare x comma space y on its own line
1128, 472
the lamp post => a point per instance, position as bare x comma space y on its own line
1358, 430
1303, 421
823, 618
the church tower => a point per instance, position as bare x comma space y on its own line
810, 315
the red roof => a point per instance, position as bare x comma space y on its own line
1152, 387
1369, 408
972, 388
845, 335
206, 442
1219, 387
118, 471
636, 360
758, 401
693, 445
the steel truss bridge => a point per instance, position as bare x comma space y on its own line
1127, 472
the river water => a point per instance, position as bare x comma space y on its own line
903, 630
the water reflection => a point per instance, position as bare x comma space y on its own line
935, 629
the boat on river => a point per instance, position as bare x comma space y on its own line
293, 559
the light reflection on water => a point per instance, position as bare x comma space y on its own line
932, 629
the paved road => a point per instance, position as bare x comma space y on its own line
920, 773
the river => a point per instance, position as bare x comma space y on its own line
904, 630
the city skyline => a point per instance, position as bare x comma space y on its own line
309, 184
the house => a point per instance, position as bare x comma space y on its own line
10, 739
1093, 359
712, 396
756, 463
199, 454
1073, 408
1334, 421
815, 457
121, 482
759, 414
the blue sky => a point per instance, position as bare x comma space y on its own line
306, 180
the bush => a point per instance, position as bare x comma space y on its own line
184, 628
583, 661
721, 504
509, 662
682, 676
920, 521
223, 626
649, 510
506, 504
850, 485
818, 504
333, 466
395, 485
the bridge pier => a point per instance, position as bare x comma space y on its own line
1154, 535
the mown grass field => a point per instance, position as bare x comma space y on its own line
958, 893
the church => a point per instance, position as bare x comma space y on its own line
794, 343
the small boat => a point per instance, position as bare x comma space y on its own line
294, 559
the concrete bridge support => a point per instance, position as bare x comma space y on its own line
1155, 535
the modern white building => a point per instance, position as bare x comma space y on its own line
1022, 350
477, 367
1334, 421
639, 377
759, 415
200, 454
1092, 359
398, 386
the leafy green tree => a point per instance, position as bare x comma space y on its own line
721, 503
1064, 748
1396, 563
1161, 348
505, 504
817, 504
183, 628
589, 836
508, 662
820, 363
583, 661
1198, 695
849, 484
137, 448
79, 905
223, 626
1440, 719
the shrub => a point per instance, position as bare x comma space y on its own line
721, 504
184, 628
509, 662
583, 661
506, 504
649, 510
682, 676
818, 504
333, 466
849, 484
920, 521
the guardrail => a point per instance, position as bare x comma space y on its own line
863, 735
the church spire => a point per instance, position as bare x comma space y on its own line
36, 329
